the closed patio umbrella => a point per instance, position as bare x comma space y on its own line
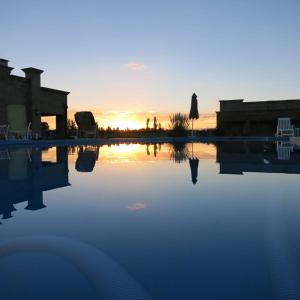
194, 114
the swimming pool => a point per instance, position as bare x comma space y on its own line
150, 221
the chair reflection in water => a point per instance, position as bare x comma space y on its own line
284, 150
24, 177
87, 157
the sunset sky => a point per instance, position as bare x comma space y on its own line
126, 60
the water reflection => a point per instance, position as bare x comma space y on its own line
148, 218
87, 157
24, 176
233, 157
26, 173
194, 163
240, 157
179, 152
156, 148
284, 150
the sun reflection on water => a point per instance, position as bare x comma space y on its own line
126, 153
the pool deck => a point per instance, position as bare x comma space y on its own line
111, 141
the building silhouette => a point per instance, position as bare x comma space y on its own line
239, 118
39, 101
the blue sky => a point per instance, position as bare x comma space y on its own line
152, 55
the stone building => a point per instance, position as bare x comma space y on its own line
238, 118
39, 101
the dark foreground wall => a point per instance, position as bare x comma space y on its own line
239, 118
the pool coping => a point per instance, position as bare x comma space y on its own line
111, 141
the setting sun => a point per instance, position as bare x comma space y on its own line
120, 120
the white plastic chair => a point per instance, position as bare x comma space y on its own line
284, 127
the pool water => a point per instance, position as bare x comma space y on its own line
152, 221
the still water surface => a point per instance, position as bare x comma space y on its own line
156, 221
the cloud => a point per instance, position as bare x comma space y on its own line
135, 66
136, 206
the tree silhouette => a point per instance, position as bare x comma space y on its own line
155, 123
71, 124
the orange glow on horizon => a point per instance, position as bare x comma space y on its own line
121, 120
136, 120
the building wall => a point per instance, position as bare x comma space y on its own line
55, 103
12, 91
52, 102
39, 101
255, 118
240, 105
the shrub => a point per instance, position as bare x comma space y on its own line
179, 124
